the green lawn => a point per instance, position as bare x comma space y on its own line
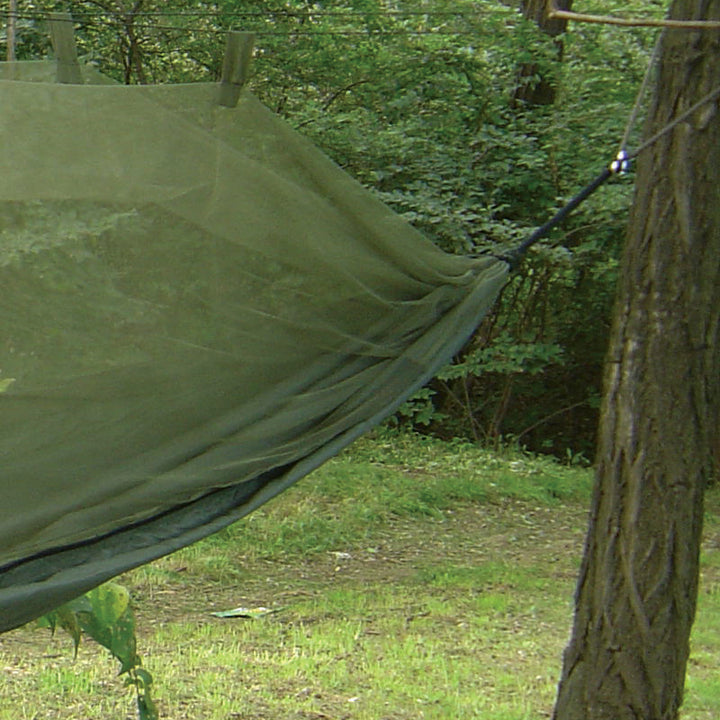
406, 579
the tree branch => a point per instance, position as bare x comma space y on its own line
633, 22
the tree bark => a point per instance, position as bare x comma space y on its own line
10, 33
535, 87
637, 590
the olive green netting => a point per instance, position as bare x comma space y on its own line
196, 309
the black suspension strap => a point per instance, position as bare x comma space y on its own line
516, 254
616, 167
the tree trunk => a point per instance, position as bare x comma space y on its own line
637, 590
535, 87
10, 32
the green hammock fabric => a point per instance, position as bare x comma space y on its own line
197, 308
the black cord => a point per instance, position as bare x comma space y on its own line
141, 21
514, 257
618, 166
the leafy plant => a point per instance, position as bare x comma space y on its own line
105, 614
419, 409
418, 104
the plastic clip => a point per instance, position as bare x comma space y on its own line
621, 164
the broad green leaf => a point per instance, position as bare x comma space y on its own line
67, 619
144, 678
109, 602
147, 710
5, 384
110, 622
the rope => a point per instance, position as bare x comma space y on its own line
298, 29
710, 97
300, 32
300, 22
640, 96
301, 14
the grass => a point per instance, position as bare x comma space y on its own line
394, 477
408, 579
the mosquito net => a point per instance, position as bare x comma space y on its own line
197, 308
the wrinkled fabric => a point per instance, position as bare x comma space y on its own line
197, 308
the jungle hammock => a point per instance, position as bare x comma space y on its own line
197, 308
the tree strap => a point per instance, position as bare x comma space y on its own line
616, 167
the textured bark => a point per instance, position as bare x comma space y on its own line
10, 32
637, 590
533, 87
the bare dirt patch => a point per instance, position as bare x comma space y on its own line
512, 532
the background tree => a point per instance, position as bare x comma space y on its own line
638, 583
536, 86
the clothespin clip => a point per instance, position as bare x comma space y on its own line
621, 164
62, 35
236, 67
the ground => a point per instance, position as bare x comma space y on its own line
462, 612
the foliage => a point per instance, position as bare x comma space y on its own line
417, 102
105, 614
